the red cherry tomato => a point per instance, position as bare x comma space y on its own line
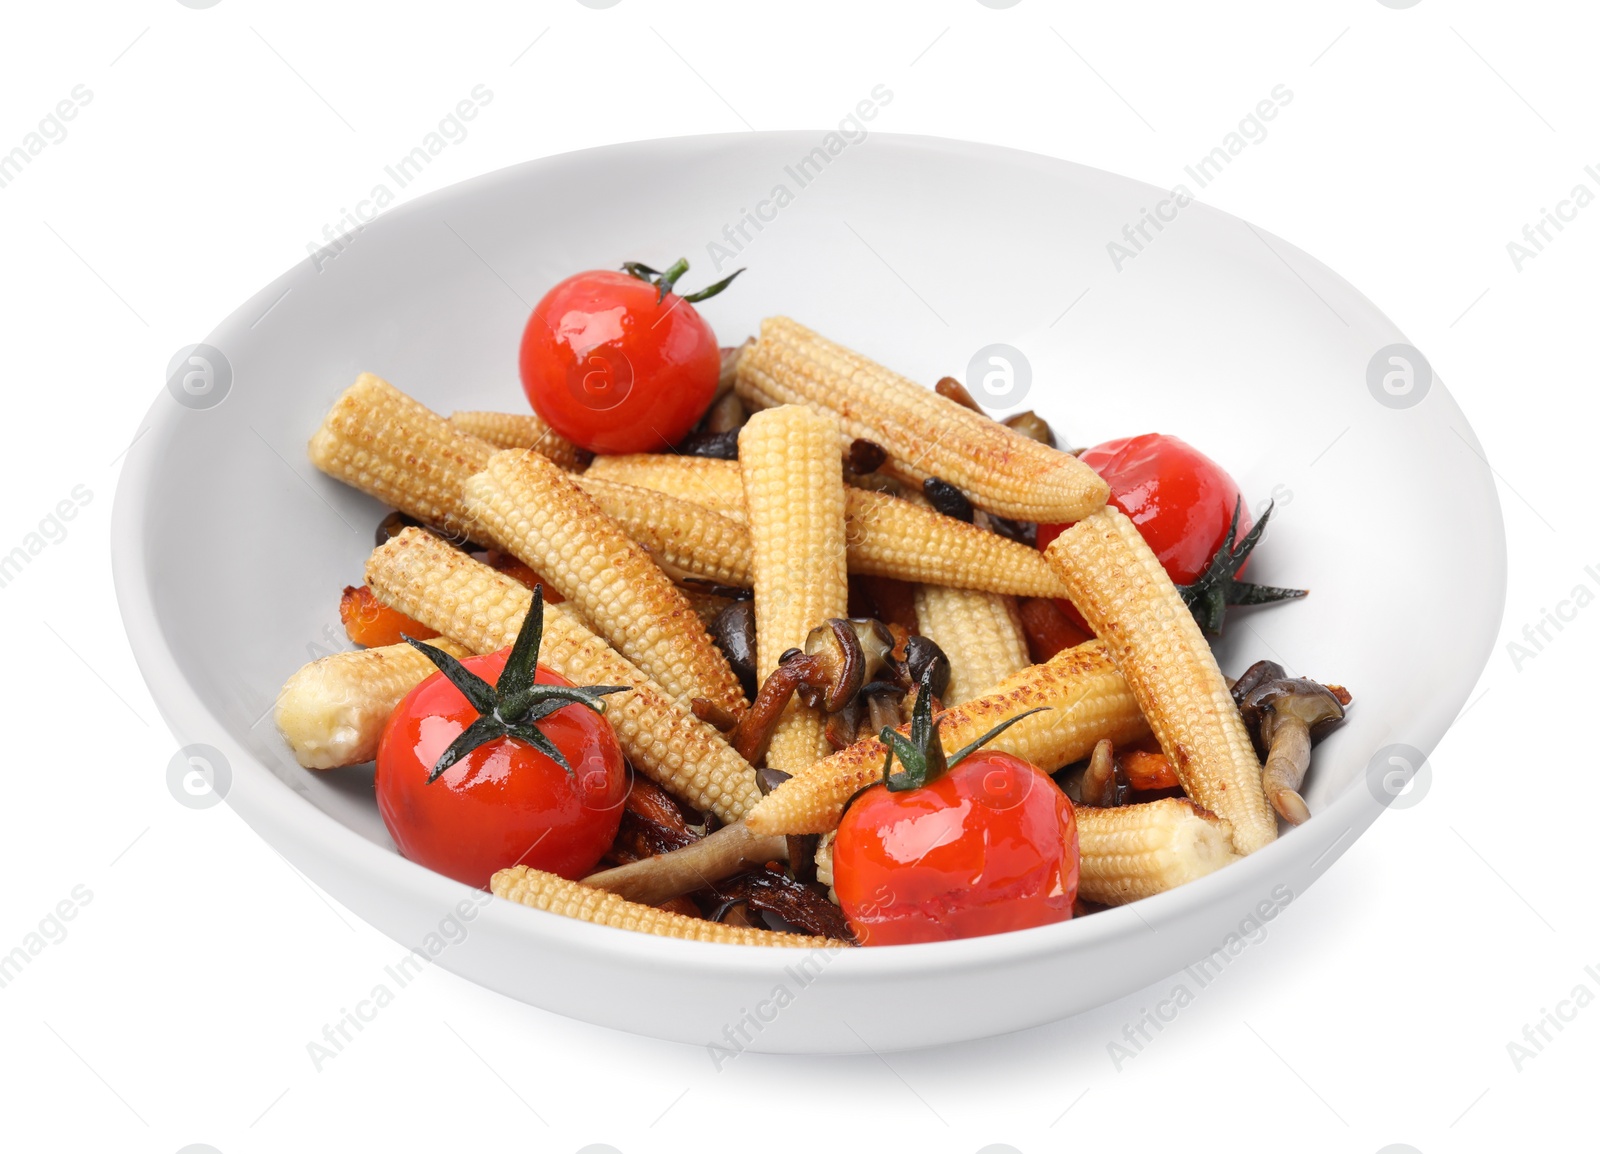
505, 803
1181, 500
615, 370
990, 846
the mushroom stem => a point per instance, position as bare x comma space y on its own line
753, 734
883, 710
1288, 757
1098, 786
729, 851
713, 715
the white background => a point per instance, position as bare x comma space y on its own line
219, 142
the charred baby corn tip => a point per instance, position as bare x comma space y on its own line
1085, 700
1135, 851
536, 511
980, 633
378, 440
557, 895
794, 498
1119, 586
482, 609
926, 435
333, 710
520, 431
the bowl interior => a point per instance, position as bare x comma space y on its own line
916, 251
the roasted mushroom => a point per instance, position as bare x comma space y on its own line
1285, 716
726, 413
1102, 783
922, 652
724, 446
1031, 425
953, 390
734, 631
947, 499
864, 457
828, 673
653, 880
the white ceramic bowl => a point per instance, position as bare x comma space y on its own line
230, 549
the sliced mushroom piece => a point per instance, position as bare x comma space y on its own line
953, 390
729, 851
922, 652
864, 457
1102, 783
1031, 425
726, 413
842, 729
947, 499
724, 445
1285, 715
713, 715
801, 849
829, 671
842, 653
734, 631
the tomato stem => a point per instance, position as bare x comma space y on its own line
516, 703
921, 755
664, 281
1210, 594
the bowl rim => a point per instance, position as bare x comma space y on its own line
278, 814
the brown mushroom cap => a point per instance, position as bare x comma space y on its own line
1305, 700
841, 667
921, 652
1031, 425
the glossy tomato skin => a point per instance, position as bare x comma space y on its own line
612, 369
1181, 500
990, 846
505, 803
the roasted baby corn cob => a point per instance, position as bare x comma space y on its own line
680, 535
926, 435
391, 447
533, 508
892, 537
886, 536
557, 895
980, 633
519, 431
1129, 601
333, 710
1086, 700
794, 496
1134, 851
706, 481
481, 609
